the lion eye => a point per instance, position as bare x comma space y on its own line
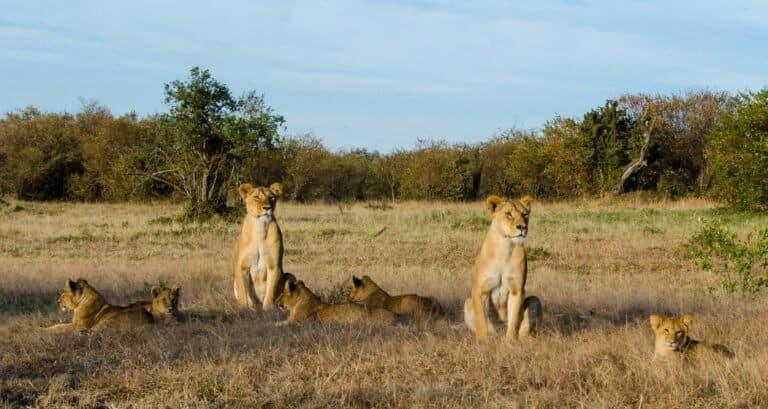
666, 330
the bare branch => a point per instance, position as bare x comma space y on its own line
641, 161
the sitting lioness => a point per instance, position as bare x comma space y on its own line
259, 248
92, 312
365, 291
672, 339
164, 304
302, 304
500, 268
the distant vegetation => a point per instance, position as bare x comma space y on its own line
701, 143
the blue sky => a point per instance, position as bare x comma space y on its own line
380, 74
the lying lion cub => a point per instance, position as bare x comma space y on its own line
672, 339
302, 304
93, 312
164, 304
365, 291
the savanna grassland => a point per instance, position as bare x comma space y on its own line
599, 268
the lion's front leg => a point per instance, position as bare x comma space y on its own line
61, 327
273, 279
514, 305
244, 292
480, 320
515, 279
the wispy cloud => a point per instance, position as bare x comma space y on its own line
367, 72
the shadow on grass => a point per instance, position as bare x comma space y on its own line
565, 320
25, 303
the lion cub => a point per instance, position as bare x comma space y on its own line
365, 291
302, 304
93, 312
164, 304
672, 339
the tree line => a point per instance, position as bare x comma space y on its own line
700, 143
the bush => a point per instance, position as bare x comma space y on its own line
741, 265
738, 154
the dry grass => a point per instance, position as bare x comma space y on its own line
599, 267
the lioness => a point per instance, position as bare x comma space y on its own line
500, 267
259, 249
365, 291
672, 339
93, 312
302, 304
164, 304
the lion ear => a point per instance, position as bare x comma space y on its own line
276, 189
71, 285
357, 282
655, 321
176, 289
245, 189
291, 286
526, 201
492, 203
687, 320
155, 291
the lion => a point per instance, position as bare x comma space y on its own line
259, 248
500, 267
302, 304
92, 312
672, 340
164, 304
365, 291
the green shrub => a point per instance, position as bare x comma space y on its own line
741, 265
738, 154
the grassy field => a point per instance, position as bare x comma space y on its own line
599, 267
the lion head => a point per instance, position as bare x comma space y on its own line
671, 332
165, 301
293, 292
260, 201
362, 289
73, 294
510, 217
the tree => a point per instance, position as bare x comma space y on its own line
566, 166
606, 133
388, 170
42, 153
738, 153
204, 138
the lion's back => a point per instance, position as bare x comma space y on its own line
353, 313
123, 318
414, 305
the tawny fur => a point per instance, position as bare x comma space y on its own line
164, 304
302, 304
500, 268
365, 291
672, 340
259, 249
530, 323
92, 312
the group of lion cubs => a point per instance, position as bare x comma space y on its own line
498, 285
